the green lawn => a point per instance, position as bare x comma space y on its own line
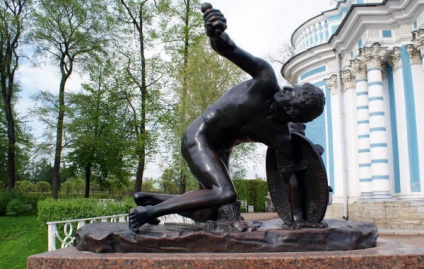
20, 237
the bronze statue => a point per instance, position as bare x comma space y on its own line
257, 110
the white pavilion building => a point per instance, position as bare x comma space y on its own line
367, 57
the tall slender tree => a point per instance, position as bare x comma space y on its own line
13, 15
143, 72
182, 32
70, 32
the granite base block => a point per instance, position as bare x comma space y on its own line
386, 254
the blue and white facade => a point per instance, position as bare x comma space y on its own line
367, 57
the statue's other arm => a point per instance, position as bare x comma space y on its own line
215, 25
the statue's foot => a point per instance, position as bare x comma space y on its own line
300, 224
242, 226
139, 216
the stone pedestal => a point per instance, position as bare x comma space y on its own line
387, 254
270, 236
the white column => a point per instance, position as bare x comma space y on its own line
351, 133
401, 120
377, 123
363, 129
418, 93
337, 141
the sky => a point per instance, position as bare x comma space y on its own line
259, 27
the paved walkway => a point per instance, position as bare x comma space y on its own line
401, 236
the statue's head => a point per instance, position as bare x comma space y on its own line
301, 103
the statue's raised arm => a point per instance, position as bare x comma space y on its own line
215, 25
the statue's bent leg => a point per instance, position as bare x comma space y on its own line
202, 215
207, 166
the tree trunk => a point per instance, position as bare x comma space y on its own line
142, 132
59, 139
183, 119
87, 180
11, 149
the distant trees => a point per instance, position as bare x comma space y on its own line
70, 32
148, 71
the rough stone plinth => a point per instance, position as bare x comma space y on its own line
387, 254
180, 238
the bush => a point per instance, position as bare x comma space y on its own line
253, 191
56, 210
20, 203
16, 207
5, 198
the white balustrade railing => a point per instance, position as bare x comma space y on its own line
63, 232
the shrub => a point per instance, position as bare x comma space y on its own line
43, 186
29, 201
56, 210
5, 198
253, 191
24, 186
16, 207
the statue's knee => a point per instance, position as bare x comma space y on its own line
228, 196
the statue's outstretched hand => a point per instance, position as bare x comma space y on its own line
215, 22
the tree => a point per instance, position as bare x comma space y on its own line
143, 73
78, 185
169, 181
13, 15
181, 37
100, 128
70, 32
285, 53
40, 170
42, 186
207, 77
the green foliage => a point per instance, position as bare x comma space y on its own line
149, 185
15, 207
25, 186
253, 191
42, 187
5, 198
66, 187
56, 210
15, 203
20, 237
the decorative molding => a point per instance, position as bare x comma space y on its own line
373, 55
332, 84
373, 35
359, 69
395, 58
414, 54
348, 79
418, 39
403, 30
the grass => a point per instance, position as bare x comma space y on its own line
20, 237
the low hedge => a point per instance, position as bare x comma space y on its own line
57, 210
253, 191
